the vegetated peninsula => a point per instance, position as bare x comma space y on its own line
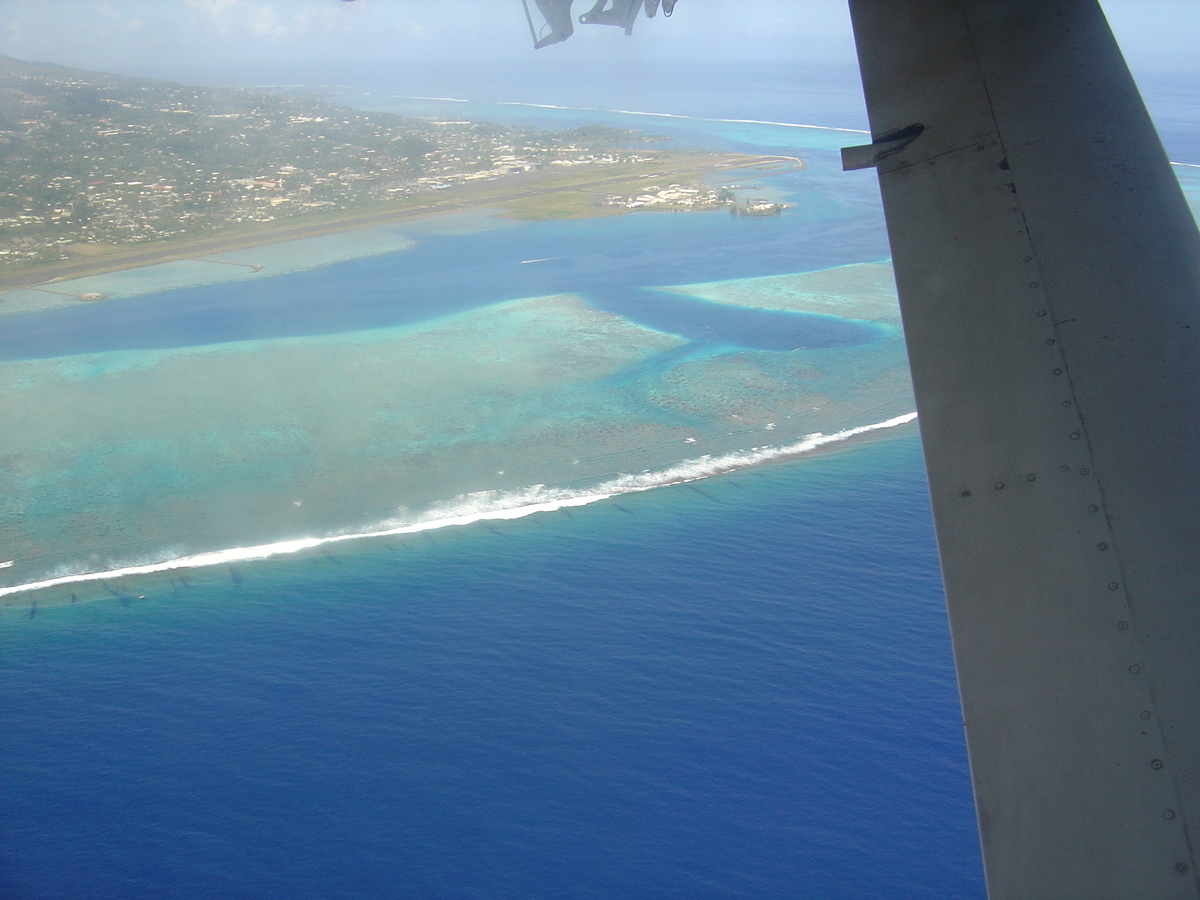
96, 169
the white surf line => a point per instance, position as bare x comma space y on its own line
285, 548
1186, 165
635, 112
526, 262
465, 510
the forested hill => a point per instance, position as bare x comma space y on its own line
92, 159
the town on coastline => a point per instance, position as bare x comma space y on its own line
679, 196
95, 164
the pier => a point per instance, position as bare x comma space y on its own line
89, 295
221, 262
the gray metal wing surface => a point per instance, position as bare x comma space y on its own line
1049, 277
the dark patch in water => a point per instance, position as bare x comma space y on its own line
744, 327
451, 274
234, 575
33, 610
125, 599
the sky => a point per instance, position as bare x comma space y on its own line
109, 33
183, 39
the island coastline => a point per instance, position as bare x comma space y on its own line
511, 200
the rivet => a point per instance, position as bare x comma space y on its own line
1028, 258
1049, 340
1102, 546
1156, 763
1033, 284
999, 485
1135, 669
1181, 868
1074, 435
1085, 471
1066, 404
1093, 508
1169, 814
1145, 714
1064, 468
1123, 625
1112, 585
1041, 312
1058, 371
1031, 477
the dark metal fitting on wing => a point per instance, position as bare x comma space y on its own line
867, 156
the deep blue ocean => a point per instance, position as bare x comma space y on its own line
737, 688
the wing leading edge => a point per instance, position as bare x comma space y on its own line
1049, 278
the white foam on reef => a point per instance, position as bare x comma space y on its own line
633, 112
484, 506
660, 115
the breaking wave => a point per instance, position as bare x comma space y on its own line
660, 115
484, 506
635, 112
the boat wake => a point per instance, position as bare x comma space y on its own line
482, 506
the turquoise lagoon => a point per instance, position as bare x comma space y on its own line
434, 372
740, 687
440, 371
149, 458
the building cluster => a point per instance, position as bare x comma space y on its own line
673, 196
103, 160
532, 158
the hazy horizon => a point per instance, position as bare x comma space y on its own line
274, 39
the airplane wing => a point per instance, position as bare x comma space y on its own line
1049, 277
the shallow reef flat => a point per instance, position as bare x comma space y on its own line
252, 262
128, 458
865, 291
1189, 180
117, 455
809, 389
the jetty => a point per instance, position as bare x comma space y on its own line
222, 262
